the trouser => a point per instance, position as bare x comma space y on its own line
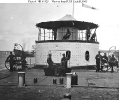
116, 63
98, 66
63, 71
23, 66
111, 64
54, 69
11, 66
101, 67
112, 70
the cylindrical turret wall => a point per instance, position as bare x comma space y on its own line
78, 52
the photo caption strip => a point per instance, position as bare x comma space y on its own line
57, 1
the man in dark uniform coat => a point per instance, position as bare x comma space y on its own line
98, 58
112, 62
10, 58
63, 64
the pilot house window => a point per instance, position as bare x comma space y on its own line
81, 35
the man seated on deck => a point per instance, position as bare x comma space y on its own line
104, 61
51, 64
49, 61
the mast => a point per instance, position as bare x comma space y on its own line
73, 9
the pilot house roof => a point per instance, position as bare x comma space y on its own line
67, 21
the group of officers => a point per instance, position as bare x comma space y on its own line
60, 70
101, 60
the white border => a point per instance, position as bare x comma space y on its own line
43, 1
13, 1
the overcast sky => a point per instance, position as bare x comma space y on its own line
18, 20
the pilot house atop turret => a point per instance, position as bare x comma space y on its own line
67, 28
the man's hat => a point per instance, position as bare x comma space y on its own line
50, 54
63, 54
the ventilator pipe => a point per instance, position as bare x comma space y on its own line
111, 48
67, 96
21, 79
16, 44
68, 82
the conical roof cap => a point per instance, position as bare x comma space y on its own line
67, 17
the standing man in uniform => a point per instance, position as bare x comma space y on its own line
63, 64
112, 62
98, 58
23, 60
10, 58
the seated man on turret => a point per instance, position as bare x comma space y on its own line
51, 65
88, 33
67, 35
93, 37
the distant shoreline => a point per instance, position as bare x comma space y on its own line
5, 51
3, 69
